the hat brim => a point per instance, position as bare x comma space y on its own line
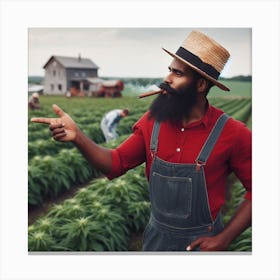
202, 73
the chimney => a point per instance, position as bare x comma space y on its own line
79, 57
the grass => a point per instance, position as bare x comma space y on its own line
237, 89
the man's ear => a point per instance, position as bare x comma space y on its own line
202, 85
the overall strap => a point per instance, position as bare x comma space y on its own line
154, 138
211, 140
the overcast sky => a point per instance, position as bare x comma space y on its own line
132, 52
16, 17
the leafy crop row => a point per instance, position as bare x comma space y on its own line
44, 147
244, 113
48, 176
244, 241
102, 215
54, 167
98, 218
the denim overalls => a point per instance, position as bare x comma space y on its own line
180, 210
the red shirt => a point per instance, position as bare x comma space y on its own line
178, 144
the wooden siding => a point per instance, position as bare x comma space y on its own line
55, 79
58, 79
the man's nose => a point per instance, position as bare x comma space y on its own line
168, 79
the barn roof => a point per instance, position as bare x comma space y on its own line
110, 83
95, 80
73, 62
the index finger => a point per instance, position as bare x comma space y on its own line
194, 244
42, 120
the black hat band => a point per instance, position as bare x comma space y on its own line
197, 62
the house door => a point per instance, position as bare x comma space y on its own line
75, 84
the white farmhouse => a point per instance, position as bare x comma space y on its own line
69, 74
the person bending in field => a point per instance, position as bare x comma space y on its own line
34, 102
189, 147
110, 121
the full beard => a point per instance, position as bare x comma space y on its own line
175, 105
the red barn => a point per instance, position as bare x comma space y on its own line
112, 88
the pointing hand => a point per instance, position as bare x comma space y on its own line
63, 128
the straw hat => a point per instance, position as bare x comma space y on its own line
204, 55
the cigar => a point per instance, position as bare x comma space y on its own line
150, 93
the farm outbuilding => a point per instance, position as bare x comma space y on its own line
35, 88
111, 88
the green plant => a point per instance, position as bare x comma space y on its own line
40, 241
102, 215
244, 241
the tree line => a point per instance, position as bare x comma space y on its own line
140, 81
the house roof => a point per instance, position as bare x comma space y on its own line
73, 62
110, 83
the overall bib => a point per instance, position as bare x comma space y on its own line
180, 210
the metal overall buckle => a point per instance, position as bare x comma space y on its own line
153, 154
199, 163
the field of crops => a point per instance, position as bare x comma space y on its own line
102, 215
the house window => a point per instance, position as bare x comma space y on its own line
52, 87
83, 74
76, 74
59, 87
54, 73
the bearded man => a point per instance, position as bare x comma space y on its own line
189, 148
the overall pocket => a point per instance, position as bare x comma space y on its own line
171, 196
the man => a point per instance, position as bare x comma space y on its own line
110, 121
34, 102
189, 147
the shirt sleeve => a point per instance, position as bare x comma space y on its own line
129, 154
241, 158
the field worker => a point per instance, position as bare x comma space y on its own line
34, 102
189, 147
110, 121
